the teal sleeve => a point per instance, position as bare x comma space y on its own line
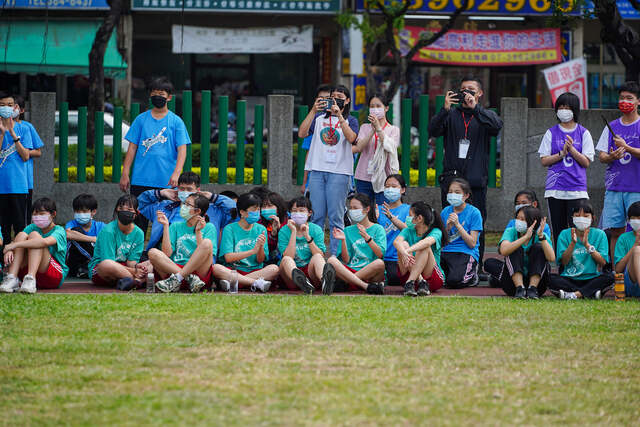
173, 236
284, 235
437, 236
29, 228
226, 244
622, 248
380, 238
106, 245
138, 246
61, 239
508, 235
602, 245
318, 237
405, 234
266, 244
209, 232
563, 243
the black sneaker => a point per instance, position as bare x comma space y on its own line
409, 289
532, 292
82, 273
301, 281
483, 277
328, 279
423, 288
126, 284
521, 292
376, 288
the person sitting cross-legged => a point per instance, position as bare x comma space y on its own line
627, 253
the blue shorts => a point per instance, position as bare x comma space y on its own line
616, 204
631, 288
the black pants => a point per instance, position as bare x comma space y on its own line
587, 288
460, 269
78, 255
13, 215
141, 221
537, 266
393, 273
494, 266
29, 205
560, 215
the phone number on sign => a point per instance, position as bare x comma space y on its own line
57, 4
531, 7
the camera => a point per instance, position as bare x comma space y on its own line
461, 94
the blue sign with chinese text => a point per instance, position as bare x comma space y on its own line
55, 4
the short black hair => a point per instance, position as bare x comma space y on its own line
323, 88
84, 202
584, 206
630, 86
247, 200
5, 94
230, 194
301, 202
44, 204
570, 100
531, 195
471, 78
161, 83
19, 99
634, 210
189, 177
344, 90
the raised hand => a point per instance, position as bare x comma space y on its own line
338, 234
162, 218
169, 194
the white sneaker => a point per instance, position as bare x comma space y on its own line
261, 285
224, 285
28, 285
195, 283
567, 295
10, 284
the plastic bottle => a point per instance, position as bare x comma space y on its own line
619, 287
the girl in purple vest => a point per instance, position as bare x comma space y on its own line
567, 150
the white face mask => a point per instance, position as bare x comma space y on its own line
518, 207
581, 222
565, 116
521, 226
635, 224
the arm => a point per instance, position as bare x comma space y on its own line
552, 159
506, 247
344, 253
303, 130
22, 152
364, 138
422, 244
581, 158
182, 156
35, 153
438, 124
260, 255
547, 248
32, 243
166, 240
126, 168
79, 237
375, 248
346, 129
237, 256
566, 255
621, 143
488, 119
290, 250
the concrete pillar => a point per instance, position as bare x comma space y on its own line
515, 112
280, 143
125, 42
43, 118
578, 40
23, 85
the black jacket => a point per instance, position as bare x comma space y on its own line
482, 127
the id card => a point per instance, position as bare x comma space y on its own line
331, 156
463, 148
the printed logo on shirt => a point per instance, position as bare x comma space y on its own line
4, 154
456, 235
329, 136
182, 251
245, 245
626, 159
389, 228
359, 257
156, 139
124, 250
576, 267
300, 247
610, 177
552, 178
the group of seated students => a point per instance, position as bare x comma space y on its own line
201, 240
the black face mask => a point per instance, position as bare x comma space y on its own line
158, 101
126, 217
340, 103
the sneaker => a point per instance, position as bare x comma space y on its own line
195, 283
483, 277
261, 285
567, 295
126, 284
409, 289
601, 293
170, 284
475, 282
423, 289
301, 281
532, 292
376, 288
224, 285
328, 279
82, 273
521, 293
28, 285
10, 284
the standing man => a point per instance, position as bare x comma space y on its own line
158, 142
467, 131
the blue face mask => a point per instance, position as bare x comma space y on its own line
454, 199
6, 112
82, 218
253, 217
268, 213
183, 195
392, 194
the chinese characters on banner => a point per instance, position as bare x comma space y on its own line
569, 76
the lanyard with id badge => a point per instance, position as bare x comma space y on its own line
464, 143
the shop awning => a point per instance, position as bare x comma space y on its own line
66, 51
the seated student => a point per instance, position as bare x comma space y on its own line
362, 248
581, 250
419, 247
37, 254
244, 248
464, 225
392, 215
118, 249
187, 248
273, 216
627, 253
527, 249
82, 233
221, 208
301, 244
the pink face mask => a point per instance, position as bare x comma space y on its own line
41, 221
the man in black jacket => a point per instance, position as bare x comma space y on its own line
467, 131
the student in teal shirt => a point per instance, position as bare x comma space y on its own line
627, 253
118, 250
44, 242
188, 247
527, 250
362, 249
419, 247
582, 250
244, 248
301, 244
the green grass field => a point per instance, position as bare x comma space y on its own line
203, 359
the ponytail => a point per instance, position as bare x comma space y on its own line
431, 219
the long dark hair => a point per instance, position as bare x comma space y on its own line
431, 219
532, 215
201, 203
276, 199
344, 90
366, 203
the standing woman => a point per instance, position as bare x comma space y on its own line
567, 150
330, 161
378, 142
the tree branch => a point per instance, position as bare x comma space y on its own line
635, 4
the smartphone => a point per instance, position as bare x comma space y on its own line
330, 103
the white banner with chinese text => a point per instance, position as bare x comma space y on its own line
570, 76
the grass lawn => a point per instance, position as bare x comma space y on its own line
181, 359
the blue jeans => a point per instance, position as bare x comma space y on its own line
328, 193
366, 187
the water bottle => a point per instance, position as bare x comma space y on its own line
233, 282
151, 286
619, 287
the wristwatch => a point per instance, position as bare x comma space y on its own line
543, 238
309, 241
370, 239
591, 249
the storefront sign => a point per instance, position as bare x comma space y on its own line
495, 48
359, 92
480, 7
566, 45
624, 7
242, 40
569, 76
55, 4
298, 6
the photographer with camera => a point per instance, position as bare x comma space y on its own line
467, 130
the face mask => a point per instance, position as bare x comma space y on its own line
16, 112
41, 221
635, 224
454, 199
82, 218
126, 217
6, 112
158, 101
565, 115
392, 194
581, 222
521, 226
340, 103
356, 215
409, 221
377, 112
518, 207
299, 217
268, 213
624, 106
253, 217
183, 195
185, 212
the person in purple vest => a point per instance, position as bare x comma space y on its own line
621, 152
567, 150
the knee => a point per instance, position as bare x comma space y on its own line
34, 235
317, 258
333, 260
206, 245
635, 251
379, 265
154, 254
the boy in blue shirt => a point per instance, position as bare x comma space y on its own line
158, 142
82, 233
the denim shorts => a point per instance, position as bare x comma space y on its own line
631, 288
616, 204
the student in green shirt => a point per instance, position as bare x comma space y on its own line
419, 247
301, 244
527, 251
627, 253
37, 254
188, 247
582, 250
363, 246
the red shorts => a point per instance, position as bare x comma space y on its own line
207, 278
50, 279
435, 282
99, 281
291, 286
